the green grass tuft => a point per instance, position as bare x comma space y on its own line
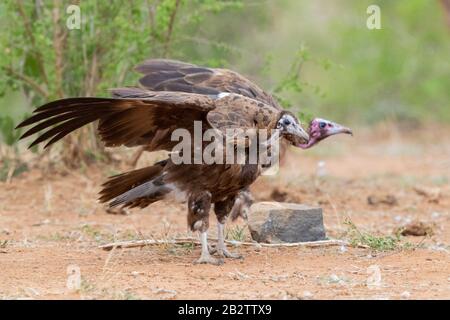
236, 233
378, 243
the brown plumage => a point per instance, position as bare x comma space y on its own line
120, 184
218, 98
147, 118
171, 75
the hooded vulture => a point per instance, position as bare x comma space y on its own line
176, 96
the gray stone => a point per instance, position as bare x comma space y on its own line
276, 222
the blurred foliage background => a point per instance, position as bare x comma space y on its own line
318, 57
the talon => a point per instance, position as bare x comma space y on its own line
205, 256
224, 253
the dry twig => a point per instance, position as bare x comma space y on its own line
149, 242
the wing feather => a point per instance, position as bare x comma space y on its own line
146, 119
172, 75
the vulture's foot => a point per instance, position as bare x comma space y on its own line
221, 248
227, 254
208, 259
224, 253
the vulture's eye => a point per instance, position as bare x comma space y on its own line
322, 125
287, 122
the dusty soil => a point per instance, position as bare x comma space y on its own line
51, 227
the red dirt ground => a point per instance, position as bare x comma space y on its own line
51, 224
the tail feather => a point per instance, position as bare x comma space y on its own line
136, 188
145, 193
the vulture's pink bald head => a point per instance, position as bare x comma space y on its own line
320, 129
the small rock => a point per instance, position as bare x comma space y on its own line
432, 194
405, 295
307, 295
237, 275
135, 273
343, 249
389, 200
435, 215
278, 195
417, 229
283, 194
160, 290
334, 278
274, 222
166, 293
279, 278
285, 295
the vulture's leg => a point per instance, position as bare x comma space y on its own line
198, 220
242, 204
222, 209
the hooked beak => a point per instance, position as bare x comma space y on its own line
337, 129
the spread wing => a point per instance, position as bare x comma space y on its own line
172, 75
140, 117
144, 118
